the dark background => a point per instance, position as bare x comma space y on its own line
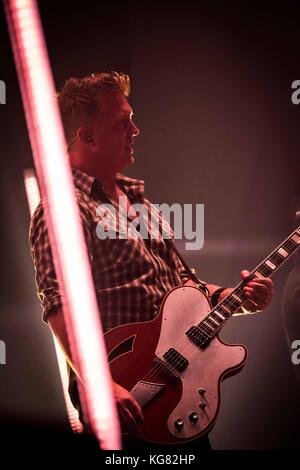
211, 90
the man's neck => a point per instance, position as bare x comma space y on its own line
108, 179
106, 175
109, 184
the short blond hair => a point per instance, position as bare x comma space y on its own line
80, 98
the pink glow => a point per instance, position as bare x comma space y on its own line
72, 413
33, 198
32, 190
65, 231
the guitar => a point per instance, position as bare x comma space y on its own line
173, 365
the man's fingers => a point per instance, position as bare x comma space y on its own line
134, 409
129, 410
129, 423
258, 289
258, 286
252, 293
261, 298
258, 283
245, 274
265, 281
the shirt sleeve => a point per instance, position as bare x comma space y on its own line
45, 276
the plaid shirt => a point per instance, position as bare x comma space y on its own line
131, 275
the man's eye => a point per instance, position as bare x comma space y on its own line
125, 123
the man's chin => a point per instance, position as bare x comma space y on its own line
127, 162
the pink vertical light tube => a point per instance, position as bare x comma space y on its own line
63, 221
33, 198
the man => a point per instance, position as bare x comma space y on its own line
133, 274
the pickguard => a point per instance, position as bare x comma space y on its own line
200, 380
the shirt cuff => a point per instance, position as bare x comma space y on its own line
51, 303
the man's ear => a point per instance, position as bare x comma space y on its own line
85, 136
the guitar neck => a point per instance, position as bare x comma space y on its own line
237, 298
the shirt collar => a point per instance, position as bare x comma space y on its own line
133, 188
83, 181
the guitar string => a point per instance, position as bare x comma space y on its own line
161, 368
204, 325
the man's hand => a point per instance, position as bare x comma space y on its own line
260, 290
130, 412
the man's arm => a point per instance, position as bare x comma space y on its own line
49, 295
129, 410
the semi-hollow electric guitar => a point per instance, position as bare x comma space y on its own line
174, 364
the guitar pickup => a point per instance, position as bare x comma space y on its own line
175, 360
198, 336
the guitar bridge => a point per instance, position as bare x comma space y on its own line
143, 391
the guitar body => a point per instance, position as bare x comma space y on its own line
180, 403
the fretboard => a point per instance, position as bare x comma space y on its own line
202, 333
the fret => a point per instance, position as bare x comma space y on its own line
213, 320
296, 238
236, 297
283, 252
205, 331
258, 274
207, 324
209, 319
265, 270
227, 304
227, 310
231, 303
235, 305
276, 258
270, 264
239, 291
219, 314
289, 245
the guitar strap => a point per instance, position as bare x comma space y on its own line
199, 284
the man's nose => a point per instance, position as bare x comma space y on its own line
135, 130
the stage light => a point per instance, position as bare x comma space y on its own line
66, 235
33, 198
